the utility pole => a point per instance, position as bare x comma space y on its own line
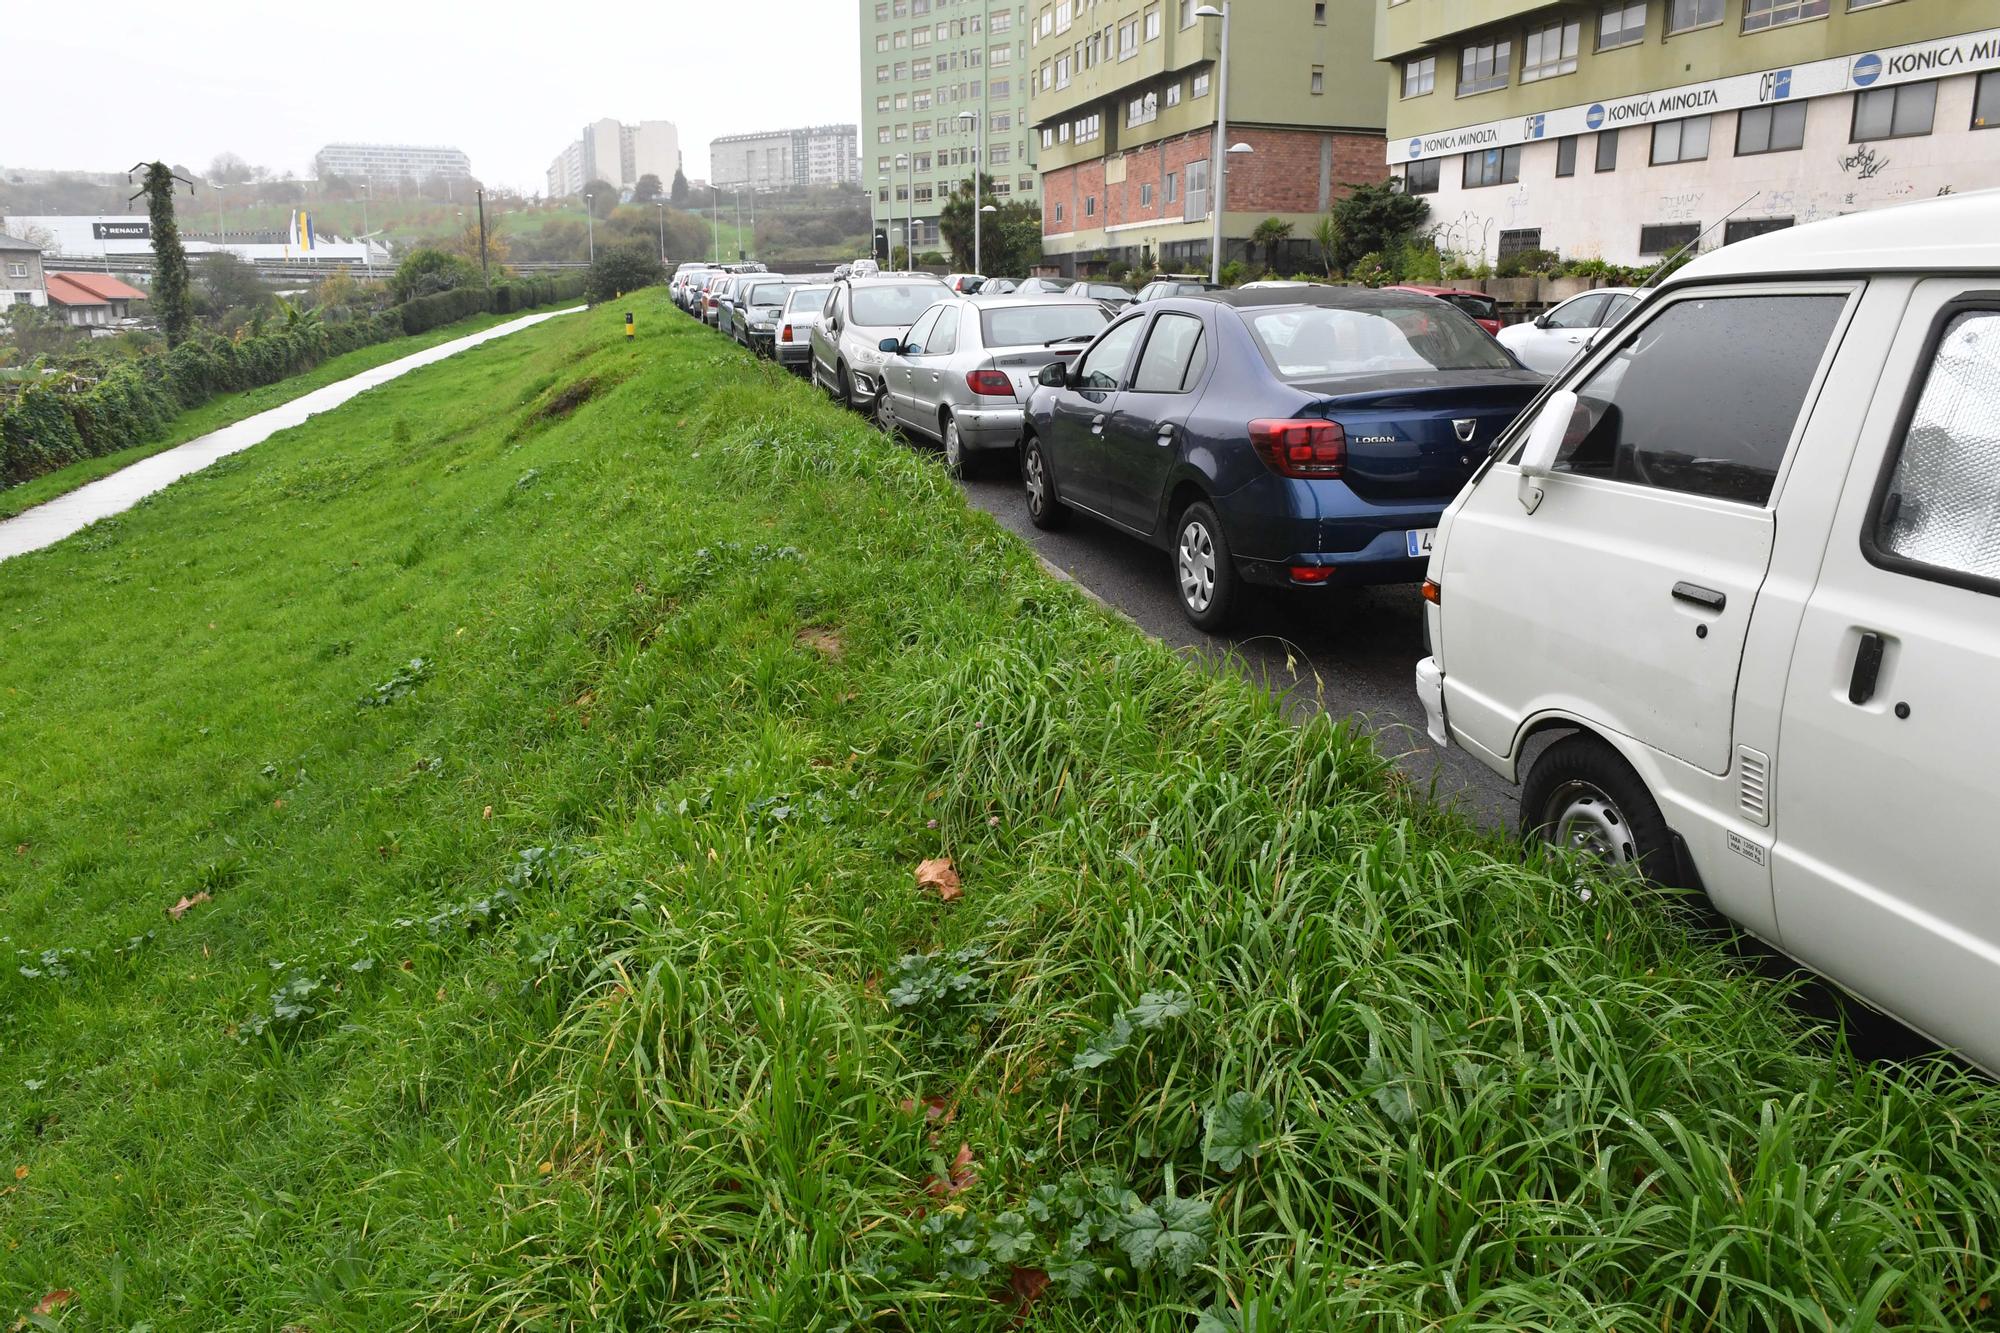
662, 205
483, 277
1217, 189
590, 227
367, 246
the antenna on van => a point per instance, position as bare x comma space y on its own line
1695, 240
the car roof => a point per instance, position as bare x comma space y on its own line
1009, 301
1335, 298
1955, 232
890, 279
1428, 290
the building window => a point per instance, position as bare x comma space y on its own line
1318, 80
1197, 191
1419, 76
1128, 39
1780, 128
883, 134
1201, 84
1484, 66
1986, 103
1174, 93
1683, 15
1519, 241
882, 42
881, 104
1090, 205
1153, 23
1680, 141
1894, 113
1551, 50
902, 40
1621, 23
1607, 150
1319, 12
1663, 238
1059, 212
1187, 12
1048, 137
1742, 229
1143, 110
881, 74
1495, 166
882, 13
1173, 186
1761, 14
1422, 177
1145, 196
1566, 155
16, 269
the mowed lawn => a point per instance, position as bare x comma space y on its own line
463, 864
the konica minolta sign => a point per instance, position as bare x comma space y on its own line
1819, 78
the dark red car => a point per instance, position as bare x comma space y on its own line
1485, 311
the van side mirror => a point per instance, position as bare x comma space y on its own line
891, 345
1055, 375
1545, 440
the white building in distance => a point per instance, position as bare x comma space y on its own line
391, 162
617, 154
786, 159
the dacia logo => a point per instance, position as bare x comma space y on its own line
1775, 86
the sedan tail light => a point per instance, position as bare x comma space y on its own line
785, 334
1307, 449
991, 383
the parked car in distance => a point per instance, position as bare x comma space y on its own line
846, 343
792, 345
965, 284
1114, 296
1279, 285
962, 373
1550, 341
998, 287
1485, 311
862, 268
713, 288
1745, 564
1287, 438
1174, 285
755, 304
683, 280
1042, 287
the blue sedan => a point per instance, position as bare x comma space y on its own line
1295, 438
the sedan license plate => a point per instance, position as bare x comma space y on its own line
1420, 540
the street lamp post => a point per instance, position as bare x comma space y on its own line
978, 166
909, 160
888, 225
661, 204
1219, 190
367, 247
590, 226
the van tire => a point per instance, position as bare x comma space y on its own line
1583, 785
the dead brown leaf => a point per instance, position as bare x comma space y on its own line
487, 813
940, 874
822, 641
963, 1174
180, 909
1024, 1285
54, 1301
20, 1173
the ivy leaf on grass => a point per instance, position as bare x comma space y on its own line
1157, 1007
1010, 1241
1105, 1047
1237, 1127
1170, 1233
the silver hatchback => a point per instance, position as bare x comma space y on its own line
963, 372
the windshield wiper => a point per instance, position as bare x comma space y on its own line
1072, 338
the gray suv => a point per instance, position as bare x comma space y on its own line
847, 351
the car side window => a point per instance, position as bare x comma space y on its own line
917, 340
944, 338
832, 305
1165, 365
1940, 508
1103, 366
1578, 314
1615, 309
1704, 397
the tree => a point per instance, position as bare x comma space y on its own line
955, 221
466, 245
1374, 219
624, 268
171, 299
647, 190
1326, 235
1269, 232
230, 291
38, 330
229, 169
680, 191
603, 198
426, 271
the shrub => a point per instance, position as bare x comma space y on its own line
427, 272
1529, 263
624, 268
1233, 273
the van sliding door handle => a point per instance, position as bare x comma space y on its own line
1867, 666
1706, 598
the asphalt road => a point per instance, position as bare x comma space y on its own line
1345, 652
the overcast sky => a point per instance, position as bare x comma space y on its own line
510, 83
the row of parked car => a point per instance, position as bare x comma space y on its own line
1723, 595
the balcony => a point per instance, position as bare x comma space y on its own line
1412, 25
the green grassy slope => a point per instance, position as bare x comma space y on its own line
556, 735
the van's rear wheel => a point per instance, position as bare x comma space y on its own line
1581, 795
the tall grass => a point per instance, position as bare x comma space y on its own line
1228, 1030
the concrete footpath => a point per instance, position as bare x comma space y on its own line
47, 524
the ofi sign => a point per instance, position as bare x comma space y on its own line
1819, 78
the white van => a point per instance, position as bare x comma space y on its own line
1742, 566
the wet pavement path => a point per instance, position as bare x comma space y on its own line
47, 524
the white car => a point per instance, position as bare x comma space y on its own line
792, 346
1551, 341
1742, 568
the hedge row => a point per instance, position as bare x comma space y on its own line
50, 426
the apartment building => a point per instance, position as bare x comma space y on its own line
617, 154
786, 159
932, 73
1125, 107
389, 162
1624, 129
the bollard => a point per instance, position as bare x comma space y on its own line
631, 332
